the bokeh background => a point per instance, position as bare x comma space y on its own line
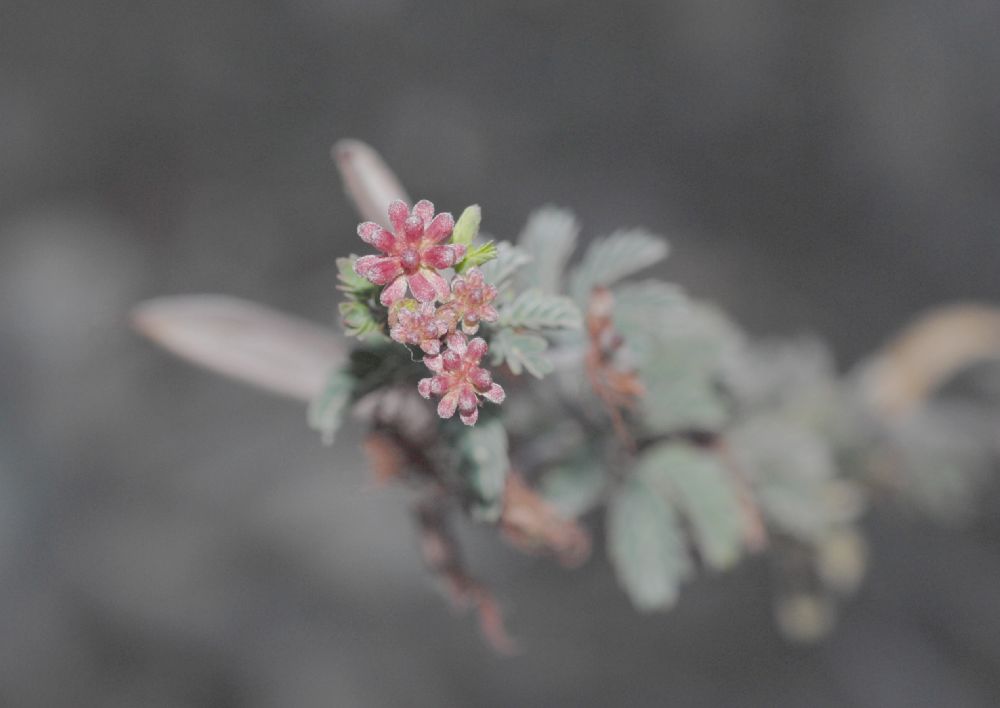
168, 538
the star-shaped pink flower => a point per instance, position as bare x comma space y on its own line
459, 379
471, 300
416, 323
413, 254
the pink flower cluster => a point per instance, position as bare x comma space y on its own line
459, 379
412, 254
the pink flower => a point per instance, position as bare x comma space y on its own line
459, 379
416, 323
471, 299
413, 253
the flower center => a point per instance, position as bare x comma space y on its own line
410, 260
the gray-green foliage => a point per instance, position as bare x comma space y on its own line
484, 467
358, 310
673, 480
521, 351
477, 255
327, 410
548, 238
608, 260
646, 546
467, 227
678, 346
785, 431
534, 309
509, 259
700, 487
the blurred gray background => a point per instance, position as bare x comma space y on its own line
168, 538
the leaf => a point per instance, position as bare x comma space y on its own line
467, 227
679, 347
617, 256
326, 411
641, 304
521, 352
699, 486
485, 467
508, 260
574, 488
477, 256
680, 389
790, 470
646, 547
533, 309
549, 238
368, 180
359, 321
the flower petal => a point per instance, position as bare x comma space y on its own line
398, 334
364, 264
431, 346
448, 404
367, 230
421, 286
439, 257
439, 284
481, 379
397, 215
440, 384
467, 401
396, 291
434, 363
496, 394
489, 314
382, 270
413, 230
424, 388
470, 418
440, 228
477, 347
456, 343
385, 241
424, 210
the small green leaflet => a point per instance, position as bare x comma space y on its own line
697, 484
646, 546
327, 410
508, 259
617, 256
521, 352
533, 309
358, 321
477, 256
356, 314
467, 227
485, 466
549, 238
